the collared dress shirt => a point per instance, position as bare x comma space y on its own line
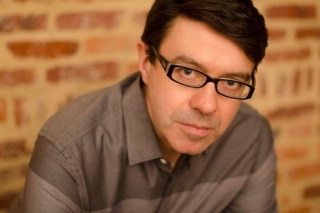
101, 154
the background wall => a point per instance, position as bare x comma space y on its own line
51, 51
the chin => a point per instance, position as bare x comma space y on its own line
191, 148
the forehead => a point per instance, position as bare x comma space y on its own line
205, 46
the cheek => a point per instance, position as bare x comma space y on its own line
164, 100
228, 111
164, 103
158, 98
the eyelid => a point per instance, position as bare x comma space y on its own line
181, 60
196, 70
242, 77
235, 76
189, 68
246, 78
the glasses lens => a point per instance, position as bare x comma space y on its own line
193, 78
233, 88
188, 76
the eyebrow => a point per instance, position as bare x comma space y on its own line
188, 60
244, 76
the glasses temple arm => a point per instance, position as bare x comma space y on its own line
164, 63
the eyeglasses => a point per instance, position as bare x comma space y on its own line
190, 77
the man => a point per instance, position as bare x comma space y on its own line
174, 138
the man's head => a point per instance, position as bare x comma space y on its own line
218, 44
238, 20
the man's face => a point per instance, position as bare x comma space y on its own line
188, 120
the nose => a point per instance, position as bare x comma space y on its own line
205, 99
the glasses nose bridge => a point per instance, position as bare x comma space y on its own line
213, 80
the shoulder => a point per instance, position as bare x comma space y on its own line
250, 119
85, 113
246, 110
249, 132
256, 131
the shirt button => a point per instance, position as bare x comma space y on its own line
163, 161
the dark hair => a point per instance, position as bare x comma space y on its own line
238, 20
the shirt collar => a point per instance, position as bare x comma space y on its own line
142, 141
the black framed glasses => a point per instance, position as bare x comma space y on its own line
190, 77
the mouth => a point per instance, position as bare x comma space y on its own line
196, 130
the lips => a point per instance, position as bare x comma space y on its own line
195, 130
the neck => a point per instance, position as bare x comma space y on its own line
173, 161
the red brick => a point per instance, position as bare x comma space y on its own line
288, 55
13, 149
292, 153
308, 33
276, 34
3, 110
7, 198
312, 191
318, 80
280, 83
310, 78
41, 112
279, 178
98, 45
88, 20
91, 72
305, 172
292, 11
139, 18
292, 111
261, 90
16, 77
21, 112
283, 200
298, 209
299, 129
17, 22
296, 82
51, 49
13, 173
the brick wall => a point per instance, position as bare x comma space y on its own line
51, 51
289, 95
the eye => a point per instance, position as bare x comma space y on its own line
187, 71
231, 83
188, 76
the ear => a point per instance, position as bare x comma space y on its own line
144, 64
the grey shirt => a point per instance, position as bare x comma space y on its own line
101, 154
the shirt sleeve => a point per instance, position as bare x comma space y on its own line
259, 193
51, 185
